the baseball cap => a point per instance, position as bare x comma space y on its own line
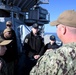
7, 30
9, 23
67, 18
4, 42
52, 37
35, 25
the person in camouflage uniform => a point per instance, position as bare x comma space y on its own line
3, 67
61, 61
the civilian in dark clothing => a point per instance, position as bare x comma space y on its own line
34, 48
52, 44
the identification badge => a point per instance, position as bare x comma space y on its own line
26, 40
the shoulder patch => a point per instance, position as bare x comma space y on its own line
26, 40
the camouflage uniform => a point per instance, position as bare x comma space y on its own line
3, 70
58, 62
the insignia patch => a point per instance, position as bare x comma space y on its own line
52, 36
26, 40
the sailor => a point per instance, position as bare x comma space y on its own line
52, 44
33, 45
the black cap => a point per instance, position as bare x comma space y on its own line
52, 37
35, 25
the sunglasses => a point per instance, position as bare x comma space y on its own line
9, 25
35, 27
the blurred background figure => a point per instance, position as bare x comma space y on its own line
3, 48
9, 25
11, 54
52, 44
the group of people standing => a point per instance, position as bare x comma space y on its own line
33, 48
61, 61
41, 59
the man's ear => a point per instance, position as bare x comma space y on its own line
63, 30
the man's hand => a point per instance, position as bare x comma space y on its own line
36, 56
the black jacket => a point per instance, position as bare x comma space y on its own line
33, 45
49, 46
